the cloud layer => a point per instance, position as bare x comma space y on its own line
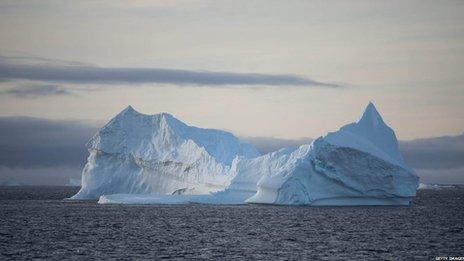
32, 143
34, 91
445, 152
87, 74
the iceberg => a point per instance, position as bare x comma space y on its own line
360, 164
424, 186
157, 159
158, 154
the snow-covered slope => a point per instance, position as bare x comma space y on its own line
369, 134
358, 165
158, 154
246, 174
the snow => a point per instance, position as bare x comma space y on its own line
158, 154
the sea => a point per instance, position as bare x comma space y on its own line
36, 223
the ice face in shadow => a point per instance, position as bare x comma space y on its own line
158, 154
358, 165
369, 134
245, 174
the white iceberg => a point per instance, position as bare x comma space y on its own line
158, 154
358, 165
424, 186
141, 159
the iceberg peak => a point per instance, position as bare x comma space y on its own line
165, 118
371, 117
128, 111
129, 108
369, 134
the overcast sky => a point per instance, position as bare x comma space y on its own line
290, 70
287, 69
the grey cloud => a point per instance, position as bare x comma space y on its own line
441, 176
268, 144
38, 176
86, 74
445, 152
33, 143
34, 91
31, 59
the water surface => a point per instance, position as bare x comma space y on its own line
36, 223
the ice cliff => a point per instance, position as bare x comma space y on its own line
158, 154
360, 164
371, 135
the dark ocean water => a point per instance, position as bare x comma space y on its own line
36, 223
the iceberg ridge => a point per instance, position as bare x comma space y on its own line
158, 154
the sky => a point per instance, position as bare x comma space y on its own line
282, 70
